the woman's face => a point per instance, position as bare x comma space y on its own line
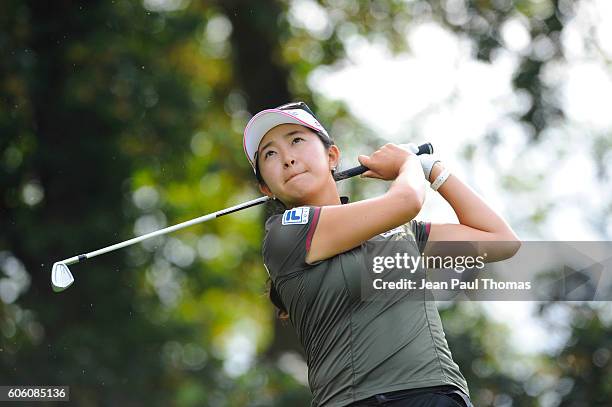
294, 163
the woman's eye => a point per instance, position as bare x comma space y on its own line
297, 138
268, 153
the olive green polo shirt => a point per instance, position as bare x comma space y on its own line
355, 348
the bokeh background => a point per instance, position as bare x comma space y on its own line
121, 117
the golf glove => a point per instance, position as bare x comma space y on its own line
427, 160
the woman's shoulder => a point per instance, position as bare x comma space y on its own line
293, 224
288, 236
272, 221
300, 215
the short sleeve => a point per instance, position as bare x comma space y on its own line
420, 229
287, 240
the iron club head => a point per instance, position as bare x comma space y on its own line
61, 277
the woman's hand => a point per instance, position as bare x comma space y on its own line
386, 162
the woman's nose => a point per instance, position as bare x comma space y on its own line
289, 162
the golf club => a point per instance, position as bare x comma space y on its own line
61, 277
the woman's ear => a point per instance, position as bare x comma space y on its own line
334, 156
265, 190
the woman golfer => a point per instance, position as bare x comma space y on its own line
360, 353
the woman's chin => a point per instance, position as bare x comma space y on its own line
297, 194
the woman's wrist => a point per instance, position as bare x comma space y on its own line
410, 178
435, 171
410, 160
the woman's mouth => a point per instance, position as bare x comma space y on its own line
293, 176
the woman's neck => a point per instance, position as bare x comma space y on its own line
323, 197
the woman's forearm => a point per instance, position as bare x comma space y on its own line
471, 210
410, 182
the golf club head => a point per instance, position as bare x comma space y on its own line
61, 277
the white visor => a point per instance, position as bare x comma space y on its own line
266, 120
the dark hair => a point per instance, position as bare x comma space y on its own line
279, 207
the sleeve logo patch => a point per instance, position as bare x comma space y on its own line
296, 216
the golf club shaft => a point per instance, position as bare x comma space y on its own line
169, 229
426, 148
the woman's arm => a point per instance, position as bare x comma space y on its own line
479, 224
343, 227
